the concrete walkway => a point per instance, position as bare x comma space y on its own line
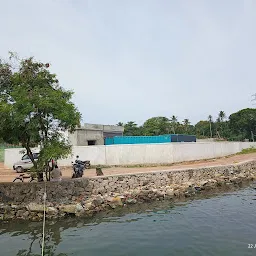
8, 175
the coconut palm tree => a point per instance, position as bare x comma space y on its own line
186, 123
220, 120
222, 115
210, 121
174, 121
120, 124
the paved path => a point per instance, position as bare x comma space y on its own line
8, 175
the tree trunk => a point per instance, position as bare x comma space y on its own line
40, 176
211, 129
48, 170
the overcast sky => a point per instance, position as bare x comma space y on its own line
131, 60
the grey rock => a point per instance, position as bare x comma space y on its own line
79, 208
52, 210
33, 207
131, 201
253, 185
88, 206
22, 214
169, 193
113, 206
98, 200
5, 208
70, 208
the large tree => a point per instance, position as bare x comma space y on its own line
202, 129
35, 109
243, 123
156, 126
131, 129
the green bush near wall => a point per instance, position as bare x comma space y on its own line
2, 148
1, 154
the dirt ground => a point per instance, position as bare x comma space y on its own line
8, 175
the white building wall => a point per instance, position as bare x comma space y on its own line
144, 153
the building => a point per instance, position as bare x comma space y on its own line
94, 134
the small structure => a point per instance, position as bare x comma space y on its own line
94, 134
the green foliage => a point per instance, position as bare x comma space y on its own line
34, 108
1, 154
156, 126
132, 129
55, 148
243, 122
202, 129
174, 124
120, 124
237, 128
221, 116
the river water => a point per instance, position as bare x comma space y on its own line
220, 225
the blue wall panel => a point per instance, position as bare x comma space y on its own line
150, 139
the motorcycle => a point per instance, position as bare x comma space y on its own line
79, 167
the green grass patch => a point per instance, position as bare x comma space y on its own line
1, 154
248, 150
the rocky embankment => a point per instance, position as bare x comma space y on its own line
86, 197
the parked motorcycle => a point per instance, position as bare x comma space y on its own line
79, 167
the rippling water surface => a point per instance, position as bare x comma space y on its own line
222, 225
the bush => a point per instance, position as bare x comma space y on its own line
1, 154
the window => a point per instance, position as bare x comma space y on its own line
91, 142
35, 155
25, 157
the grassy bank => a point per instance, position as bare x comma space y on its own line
248, 151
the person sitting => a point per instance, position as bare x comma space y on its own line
78, 161
56, 174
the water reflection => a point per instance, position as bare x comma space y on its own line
54, 229
34, 236
200, 223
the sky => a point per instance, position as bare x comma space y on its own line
132, 60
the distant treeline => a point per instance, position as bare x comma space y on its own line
238, 126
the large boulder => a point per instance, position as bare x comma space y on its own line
34, 207
72, 208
